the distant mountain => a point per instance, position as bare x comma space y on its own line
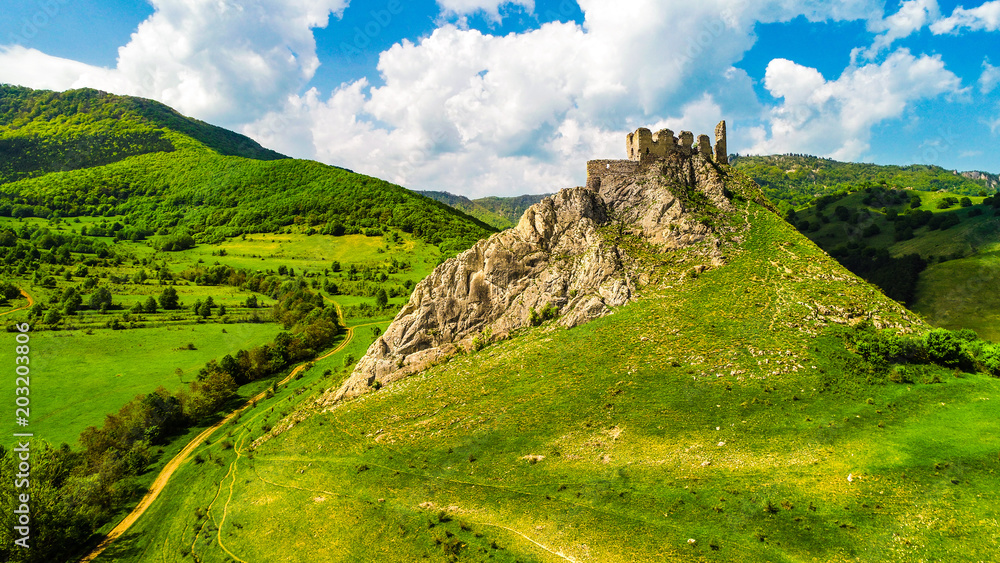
795, 180
43, 131
499, 212
85, 152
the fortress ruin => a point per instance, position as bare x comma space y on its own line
645, 147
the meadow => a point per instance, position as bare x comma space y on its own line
87, 370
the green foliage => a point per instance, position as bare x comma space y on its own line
175, 242
482, 340
548, 312
796, 179
944, 348
43, 132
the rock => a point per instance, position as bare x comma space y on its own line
564, 254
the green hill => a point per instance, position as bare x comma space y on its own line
748, 412
934, 251
43, 131
170, 270
795, 180
165, 172
499, 212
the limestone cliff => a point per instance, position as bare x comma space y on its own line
562, 255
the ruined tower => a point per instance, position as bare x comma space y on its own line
645, 147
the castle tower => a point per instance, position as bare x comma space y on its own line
721, 152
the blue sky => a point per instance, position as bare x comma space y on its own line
482, 97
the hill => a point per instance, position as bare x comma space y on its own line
43, 131
167, 173
930, 250
164, 271
498, 212
796, 180
743, 405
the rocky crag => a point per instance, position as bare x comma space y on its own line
563, 258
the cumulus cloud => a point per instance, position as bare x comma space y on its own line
490, 7
834, 118
990, 77
912, 16
980, 18
478, 114
219, 61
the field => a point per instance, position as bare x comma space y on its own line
712, 420
81, 377
80, 358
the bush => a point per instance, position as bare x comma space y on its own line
536, 318
943, 348
482, 340
991, 359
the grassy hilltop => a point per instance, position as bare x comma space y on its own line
748, 412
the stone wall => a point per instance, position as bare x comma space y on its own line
645, 147
600, 170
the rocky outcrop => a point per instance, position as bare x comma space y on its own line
561, 257
988, 180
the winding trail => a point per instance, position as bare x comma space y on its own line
31, 301
168, 470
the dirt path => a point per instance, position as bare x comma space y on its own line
31, 301
175, 463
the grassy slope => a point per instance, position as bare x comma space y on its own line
951, 293
680, 417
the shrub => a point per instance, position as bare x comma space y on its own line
943, 348
991, 359
482, 340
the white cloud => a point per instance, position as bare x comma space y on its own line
479, 114
460, 110
834, 118
912, 16
990, 77
219, 61
981, 18
490, 7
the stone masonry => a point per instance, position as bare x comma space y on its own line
645, 147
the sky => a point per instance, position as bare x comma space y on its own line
490, 97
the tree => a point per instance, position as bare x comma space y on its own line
150, 305
100, 299
381, 298
52, 317
222, 310
252, 302
168, 299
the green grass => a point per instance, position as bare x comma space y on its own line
717, 409
79, 378
962, 294
200, 482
